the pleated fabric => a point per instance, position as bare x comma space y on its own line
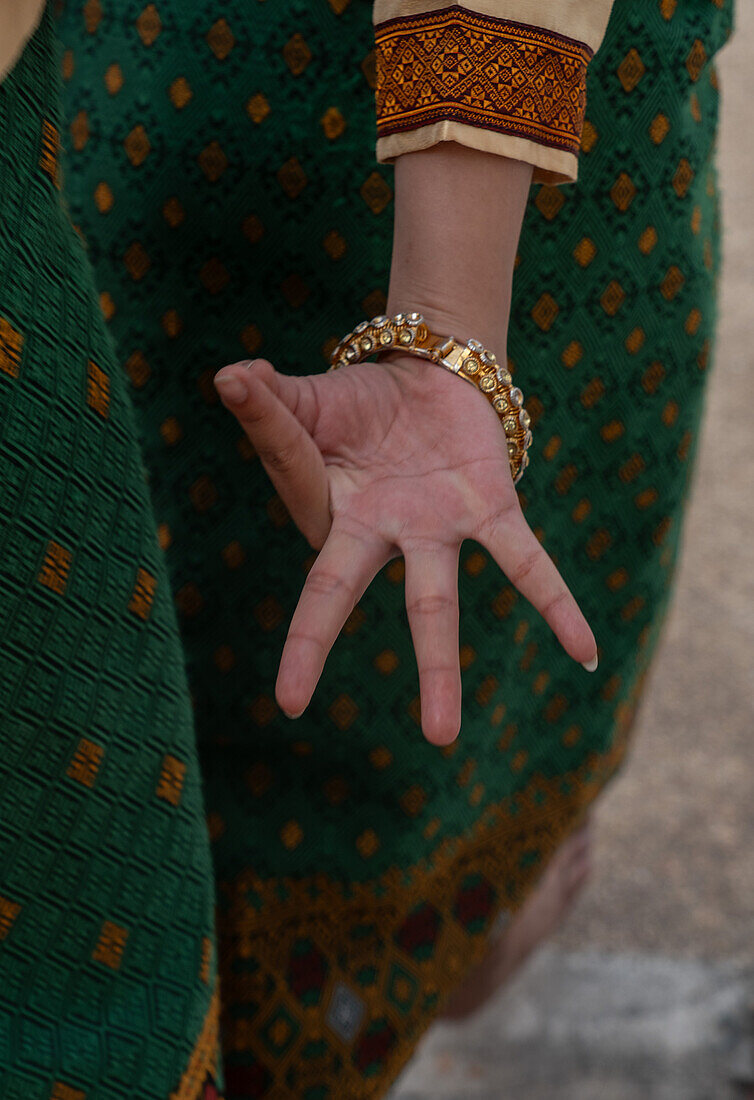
219, 199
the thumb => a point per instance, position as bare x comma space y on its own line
287, 451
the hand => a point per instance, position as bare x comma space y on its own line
381, 459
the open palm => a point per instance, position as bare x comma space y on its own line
383, 459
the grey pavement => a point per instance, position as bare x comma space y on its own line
648, 990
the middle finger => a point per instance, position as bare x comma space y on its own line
432, 606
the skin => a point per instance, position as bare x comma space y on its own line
399, 457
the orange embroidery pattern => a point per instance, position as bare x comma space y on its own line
86, 761
11, 343
49, 159
9, 910
461, 66
171, 780
98, 389
368, 969
55, 567
205, 1056
143, 594
111, 945
61, 1091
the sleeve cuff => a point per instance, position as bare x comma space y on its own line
550, 165
504, 87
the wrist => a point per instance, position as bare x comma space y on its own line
464, 321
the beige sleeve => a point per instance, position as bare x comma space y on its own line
504, 76
18, 21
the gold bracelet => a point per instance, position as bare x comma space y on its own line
409, 332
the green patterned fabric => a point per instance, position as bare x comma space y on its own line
220, 200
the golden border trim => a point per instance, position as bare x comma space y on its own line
509, 77
205, 1056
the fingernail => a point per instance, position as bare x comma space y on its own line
590, 666
288, 714
231, 389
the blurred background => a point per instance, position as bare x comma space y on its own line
647, 993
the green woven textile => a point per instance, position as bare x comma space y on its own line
219, 199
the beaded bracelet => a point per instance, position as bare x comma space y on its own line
409, 332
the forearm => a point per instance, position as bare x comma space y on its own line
458, 215
18, 18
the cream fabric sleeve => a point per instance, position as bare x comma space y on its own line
504, 76
18, 21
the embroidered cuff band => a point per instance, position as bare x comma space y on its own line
455, 65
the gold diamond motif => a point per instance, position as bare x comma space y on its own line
572, 354
376, 192
369, 69
137, 145
549, 200
213, 161
683, 177
584, 252
149, 25
80, 130
332, 123
647, 240
113, 78
297, 54
659, 128
92, 12
180, 93
613, 298
253, 229
295, 290
137, 261
386, 661
291, 835
545, 311
214, 276
258, 108
696, 59
589, 136
251, 338
292, 178
367, 843
623, 192
343, 711
220, 39
334, 245
672, 283
631, 70
635, 341
173, 212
